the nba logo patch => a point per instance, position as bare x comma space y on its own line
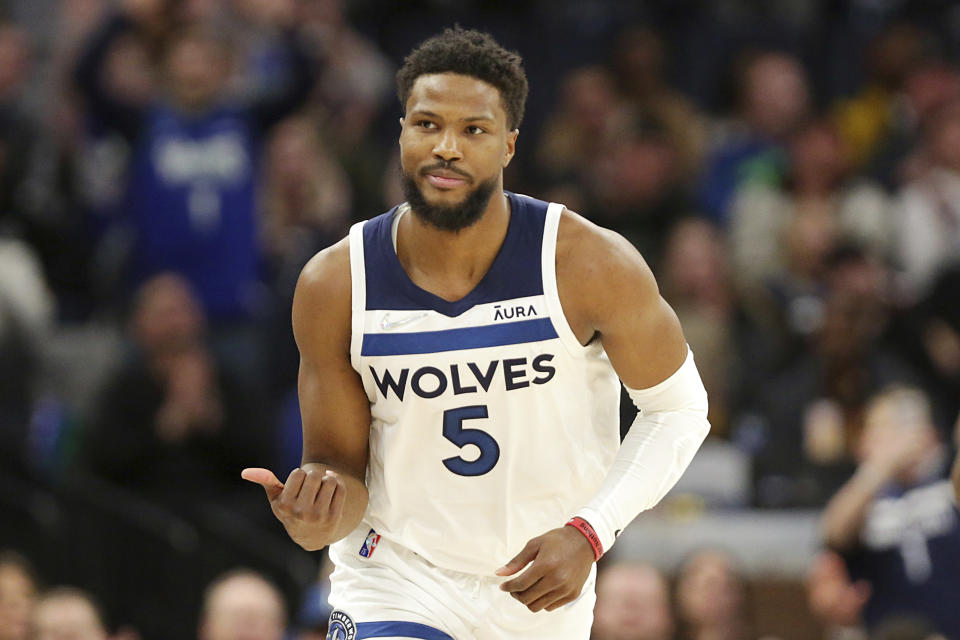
373, 539
341, 626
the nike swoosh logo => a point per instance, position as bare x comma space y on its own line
386, 324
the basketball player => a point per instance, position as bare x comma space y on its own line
459, 383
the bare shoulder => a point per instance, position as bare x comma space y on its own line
327, 269
596, 268
608, 292
322, 297
596, 252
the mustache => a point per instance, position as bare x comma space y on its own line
446, 166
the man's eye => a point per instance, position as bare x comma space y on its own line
426, 124
475, 130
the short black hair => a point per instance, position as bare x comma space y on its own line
470, 53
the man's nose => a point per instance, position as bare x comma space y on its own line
447, 147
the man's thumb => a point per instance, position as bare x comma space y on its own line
519, 561
266, 479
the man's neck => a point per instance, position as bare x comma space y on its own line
450, 264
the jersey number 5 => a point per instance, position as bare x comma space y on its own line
454, 432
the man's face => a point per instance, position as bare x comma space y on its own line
167, 317
244, 608
196, 72
633, 603
454, 144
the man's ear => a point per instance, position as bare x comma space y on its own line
511, 147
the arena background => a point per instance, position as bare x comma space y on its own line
772, 160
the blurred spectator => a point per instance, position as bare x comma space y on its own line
711, 598
773, 100
633, 603
902, 156
192, 186
17, 129
590, 116
26, 314
816, 197
172, 422
638, 69
636, 188
930, 339
242, 605
867, 118
928, 213
307, 197
18, 594
306, 209
812, 411
695, 280
24, 211
67, 613
895, 521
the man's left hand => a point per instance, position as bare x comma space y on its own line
561, 560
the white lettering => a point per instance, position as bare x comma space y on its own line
220, 159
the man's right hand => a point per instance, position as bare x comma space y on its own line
310, 504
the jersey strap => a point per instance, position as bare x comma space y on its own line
548, 268
358, 292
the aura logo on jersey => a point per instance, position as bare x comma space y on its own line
457, 379
341, 626
509, 313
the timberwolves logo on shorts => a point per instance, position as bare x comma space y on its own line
341, 627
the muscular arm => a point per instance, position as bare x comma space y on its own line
333, 404
325, 498
608, 294
617, 299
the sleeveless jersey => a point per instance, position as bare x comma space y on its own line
491, 424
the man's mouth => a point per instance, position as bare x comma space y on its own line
443, 176
444, 182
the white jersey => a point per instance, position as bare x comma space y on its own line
491, 424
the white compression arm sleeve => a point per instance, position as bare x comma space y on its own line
669, 429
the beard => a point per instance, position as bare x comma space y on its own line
453, 217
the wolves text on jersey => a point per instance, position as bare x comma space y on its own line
431, 382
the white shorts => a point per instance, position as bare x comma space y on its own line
392, 592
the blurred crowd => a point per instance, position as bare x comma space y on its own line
790, 170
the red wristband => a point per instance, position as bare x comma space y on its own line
584, 527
